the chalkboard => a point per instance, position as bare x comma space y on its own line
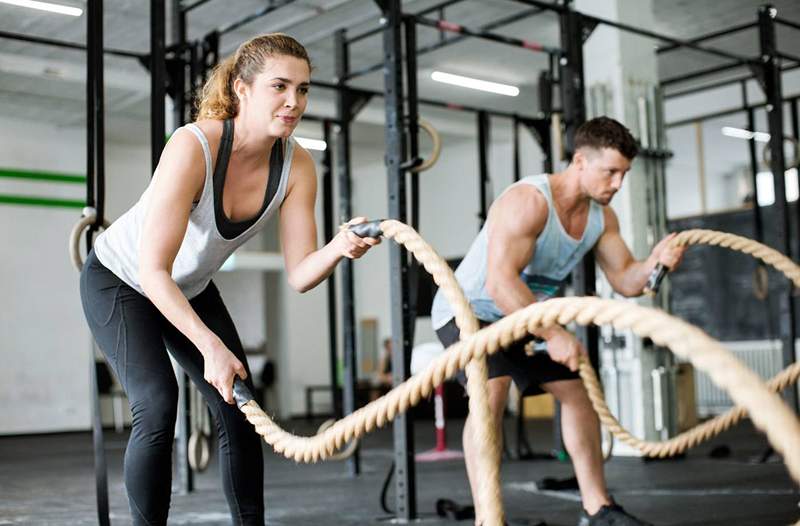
713, 287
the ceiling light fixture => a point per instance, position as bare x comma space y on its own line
468, 82
45, 6
739, 133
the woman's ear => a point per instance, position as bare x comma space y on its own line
239, 89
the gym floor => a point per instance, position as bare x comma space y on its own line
49, 480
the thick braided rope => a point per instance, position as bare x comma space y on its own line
398, 400
686, 440
707, 430
487, 443
768, 412
768, 255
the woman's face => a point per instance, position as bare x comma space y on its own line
277, 97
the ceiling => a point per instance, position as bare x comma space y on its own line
43, 83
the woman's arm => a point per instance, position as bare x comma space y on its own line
306, 266
180, 176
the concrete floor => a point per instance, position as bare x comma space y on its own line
49, 480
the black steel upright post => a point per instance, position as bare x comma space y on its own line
758, 228
345, 111
412, 121
180, 59
158, 78
95, 197
328, 214
573, 105
412, 104
405, 489
484, 180
771, 78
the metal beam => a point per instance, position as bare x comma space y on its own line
774, 94
446, 42
405, 484
344, 114
328, 225
272, 6
708, 36
666, 38
68, 45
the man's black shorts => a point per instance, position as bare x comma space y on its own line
528, 372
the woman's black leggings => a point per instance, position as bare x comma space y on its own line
133, 334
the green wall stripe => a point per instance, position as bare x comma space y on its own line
41, 201
42, 176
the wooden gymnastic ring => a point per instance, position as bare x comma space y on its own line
199, 451
437, 146
89, 217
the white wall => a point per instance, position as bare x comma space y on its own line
45, 345
725, 161
44, 348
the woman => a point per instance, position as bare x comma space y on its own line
147, 281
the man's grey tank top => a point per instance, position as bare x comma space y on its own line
545, 274
203, 250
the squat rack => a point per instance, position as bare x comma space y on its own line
767, 70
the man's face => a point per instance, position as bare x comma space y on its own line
601, 172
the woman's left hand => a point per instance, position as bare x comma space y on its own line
350, 245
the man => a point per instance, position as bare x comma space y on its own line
536, 232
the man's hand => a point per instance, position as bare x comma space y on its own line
668, 254
564, 348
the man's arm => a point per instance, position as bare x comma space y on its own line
626, 275
515, 221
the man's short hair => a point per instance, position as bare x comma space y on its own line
603, 132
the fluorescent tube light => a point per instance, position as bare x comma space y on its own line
739, 133
45, 6
311, 144
467, 82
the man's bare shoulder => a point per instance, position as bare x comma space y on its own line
521, 210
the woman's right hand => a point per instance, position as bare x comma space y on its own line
220, 368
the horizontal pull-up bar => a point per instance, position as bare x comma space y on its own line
68, 45
443, 43
275, 4
720, 84
379, 29
428, 102
444, 25
788, 23
198, 3
684, 43
709, 36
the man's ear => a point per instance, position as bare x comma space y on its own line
579, 159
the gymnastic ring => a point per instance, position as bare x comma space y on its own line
606, 442
88, 218
760, 283
437, 146
345, 453
786, 138
199, 451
